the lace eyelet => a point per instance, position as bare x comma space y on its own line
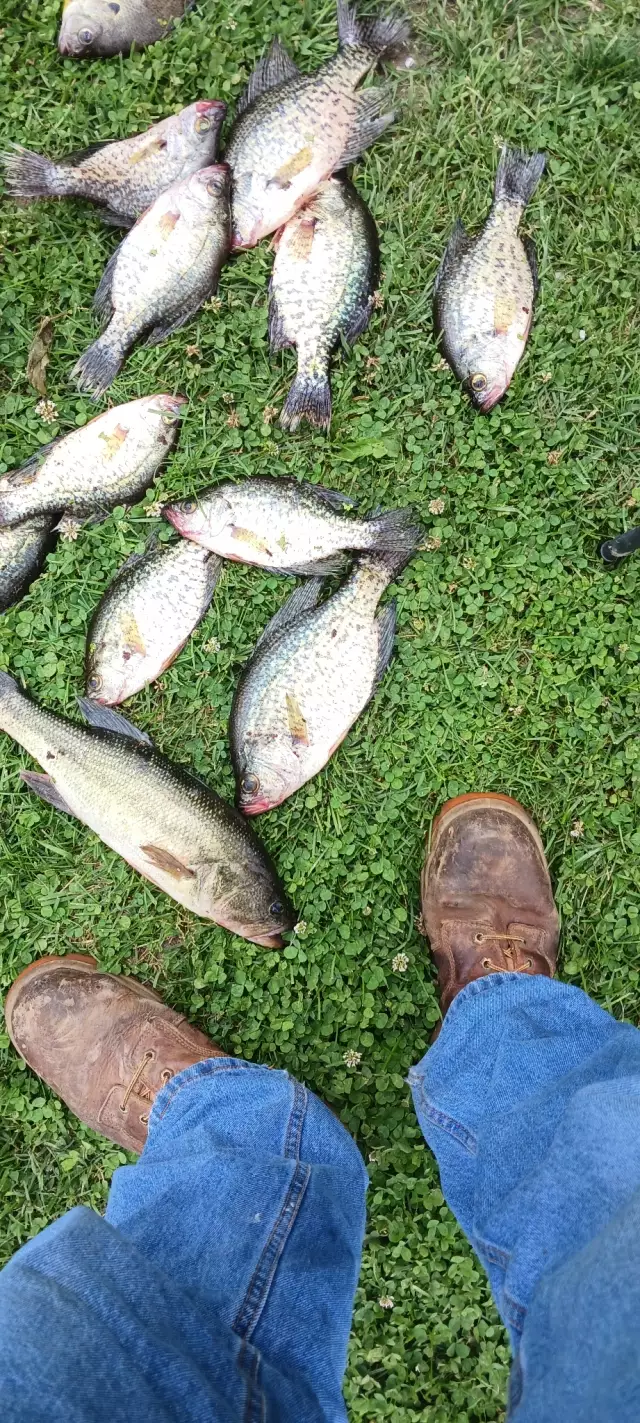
486, 963
145, 1120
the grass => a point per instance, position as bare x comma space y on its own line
517, 662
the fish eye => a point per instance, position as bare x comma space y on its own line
478, 382
251, 785
168, 418
203, 124
189, 506
276, 908
213, 186
94, 683
85, 36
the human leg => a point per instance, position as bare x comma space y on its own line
530, 1100
220, 1283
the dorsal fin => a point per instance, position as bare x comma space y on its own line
275, 67
303, 600
78, 155
331, 496
457, 245
106, 719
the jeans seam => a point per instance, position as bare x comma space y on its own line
255, 1403
261, 1281
447, 1123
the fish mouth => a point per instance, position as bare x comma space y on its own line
210, 106
257, 806
489, 398
268, 941
173, 403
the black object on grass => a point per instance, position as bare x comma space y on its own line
621, 546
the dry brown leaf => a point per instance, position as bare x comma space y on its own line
38, 358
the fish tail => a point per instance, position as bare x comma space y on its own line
31, 175
10, 697
98, 366
518, 175
396, 533
309, 399
388, 35
390, 562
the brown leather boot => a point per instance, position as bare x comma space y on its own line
106, 1044
487, 902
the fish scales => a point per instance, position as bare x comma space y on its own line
125, 176
101, 28
23, 549
322, 288
110, 460
284, 525
166, 824
145, 617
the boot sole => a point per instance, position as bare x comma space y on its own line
40, 968
453, 809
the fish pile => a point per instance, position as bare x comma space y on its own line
322, 657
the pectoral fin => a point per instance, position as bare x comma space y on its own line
43, 786
298, 728
290, 170
170, 864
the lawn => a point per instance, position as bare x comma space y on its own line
517, 663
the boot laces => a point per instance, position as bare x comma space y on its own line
509, 951
165, 1076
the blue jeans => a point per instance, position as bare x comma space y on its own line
220, 1284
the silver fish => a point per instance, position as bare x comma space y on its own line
486, 286
145, 617
311, 674
322, 288
289, 527
169, 826
161, 274
23, 550
295, 130
107, 27
110, 461
125, 176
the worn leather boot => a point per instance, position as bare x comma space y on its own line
106, 1044
487, 902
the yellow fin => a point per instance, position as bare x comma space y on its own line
114, 440
164, 860
504, 310
246, 536
290, 169
146, 150
167, 223
297, 724
131, 633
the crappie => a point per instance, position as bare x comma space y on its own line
486, 285
286, 526
124, 177
322, 286
23, 549
110, 461
294, 130
160, 275
145, 617
168, 825
104, 27
311, 674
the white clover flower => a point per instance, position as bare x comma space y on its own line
577, 830
47, 411
436, 506
386, 1301
352, 1058
400, 963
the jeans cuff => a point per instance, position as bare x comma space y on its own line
207, 1067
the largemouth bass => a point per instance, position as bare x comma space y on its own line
23, 550
110, 461
169, 826
160, 275
322, 288
125, 177
486, 286
287, 526
145, 617
312, 673
294, 130
106, 27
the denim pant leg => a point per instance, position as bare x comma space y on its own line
530, 1100
218, 1288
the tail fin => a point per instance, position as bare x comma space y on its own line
388, 35
518, 174
31, 175
7, 685
98, 366
391, 561
396, 533
309, 399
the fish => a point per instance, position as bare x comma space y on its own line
92, 28
167, 824
288, 527
311, 674
145, 617
125, 176
109, 461
293, 130
486, 286
23, 550
161, 274
322, 289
